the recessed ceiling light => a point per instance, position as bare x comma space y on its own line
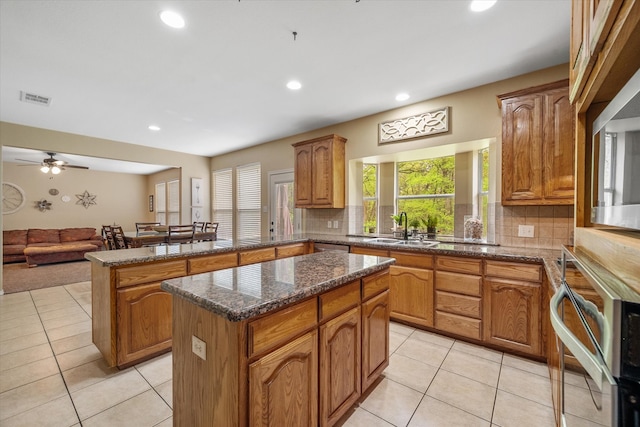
402, 97
154, 128
294, 85
481, 5
172, 19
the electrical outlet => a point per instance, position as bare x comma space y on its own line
328, 224
525, 230
199, 347
335, 224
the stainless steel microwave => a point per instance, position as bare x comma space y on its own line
616, 160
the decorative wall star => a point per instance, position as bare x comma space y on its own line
43, 205
85, 199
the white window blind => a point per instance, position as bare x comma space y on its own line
223, 202
248, 201
161, 203
173, 195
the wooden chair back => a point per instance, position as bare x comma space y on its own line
199, 225
181, 233
210, 231
146, 226
114, 237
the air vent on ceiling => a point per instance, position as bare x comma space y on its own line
32, 98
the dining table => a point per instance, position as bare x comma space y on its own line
138, 239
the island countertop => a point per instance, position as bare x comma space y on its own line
244, 292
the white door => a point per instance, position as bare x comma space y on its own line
284, 218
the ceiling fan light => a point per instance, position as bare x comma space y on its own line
44, 169
56, 170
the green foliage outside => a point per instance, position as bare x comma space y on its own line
369, 189
430, 177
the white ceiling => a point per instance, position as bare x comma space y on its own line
112, 68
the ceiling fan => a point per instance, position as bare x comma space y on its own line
51, 164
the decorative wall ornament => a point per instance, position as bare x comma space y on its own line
13, 198
151, 203
196, 214
43, 205
54, 191
196, 192
85, 199
418, 126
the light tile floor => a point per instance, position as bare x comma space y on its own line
52, 375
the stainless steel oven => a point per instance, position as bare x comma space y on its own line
597, 319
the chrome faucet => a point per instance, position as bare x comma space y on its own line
406, 221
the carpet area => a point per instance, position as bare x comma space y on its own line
18, 277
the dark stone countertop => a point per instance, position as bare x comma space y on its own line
122, 257
244, 292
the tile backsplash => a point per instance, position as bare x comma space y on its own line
553, 225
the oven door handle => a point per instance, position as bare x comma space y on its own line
592, 364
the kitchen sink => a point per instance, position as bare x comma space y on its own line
417, 243
382, 240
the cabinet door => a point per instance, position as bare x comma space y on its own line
411, 295
143, 316
375, 338
340, 365
322, 174
512, 315
522, 148
558, 153
283, 385
303, 166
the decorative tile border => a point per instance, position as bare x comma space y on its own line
418, 126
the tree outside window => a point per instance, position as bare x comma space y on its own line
427, 187
483, 193
370, 197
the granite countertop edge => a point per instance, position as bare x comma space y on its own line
235, 315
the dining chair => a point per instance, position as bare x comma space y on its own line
199, 225
114, 235
146, 226
209, 232
181, 233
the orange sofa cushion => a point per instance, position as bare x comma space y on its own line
39, 235
76, 234
14, 237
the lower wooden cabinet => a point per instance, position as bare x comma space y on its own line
340, 362
411, 295
143, 322
284, 385
512, 314
375, 338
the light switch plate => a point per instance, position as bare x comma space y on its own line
199, 347
525, 230
335, 224
329, 224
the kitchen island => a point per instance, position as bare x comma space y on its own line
293, 341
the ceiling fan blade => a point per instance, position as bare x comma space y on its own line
30, 161
75, 167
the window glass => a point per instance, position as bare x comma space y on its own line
427, 187
161, 203
248, 201
483, 193
222, 203
370, 197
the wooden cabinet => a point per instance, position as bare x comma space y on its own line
143, 321
256, 255
411, 295
340, 365
292, 250
513, 307
537, 146
319, 169
284, 385
458, 296
375, 338
362, 250
591, 22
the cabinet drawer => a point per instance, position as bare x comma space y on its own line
407, 259
459, 325
338, 300
212, 263
514, 270
461, 265
291, 250
276, 329
147, 273
464, 305
257, 255
459, 283
368, 251
375, 284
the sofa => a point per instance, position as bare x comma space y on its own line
49, 245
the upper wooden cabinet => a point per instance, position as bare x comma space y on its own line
537, 146
320, 172
591, 22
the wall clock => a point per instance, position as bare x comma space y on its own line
12, 198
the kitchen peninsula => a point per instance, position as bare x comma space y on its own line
263, 344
